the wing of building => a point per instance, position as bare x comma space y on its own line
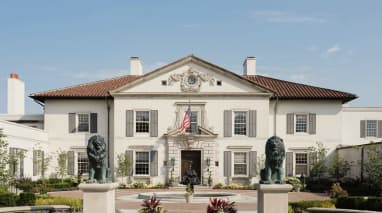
231, 118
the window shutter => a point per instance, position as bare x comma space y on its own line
129, 123
21, 165
313, 158
252, 123
227, 123
252, 163
42, 163
290, 123
289, 164
35, 163
12, 152
70, 162
154, 123
72, 123
153, 163
312, 123
379, 131
93, 123
129, 155
363, 128
227, 163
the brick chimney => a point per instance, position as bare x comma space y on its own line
135, 66
249, 65
16, 95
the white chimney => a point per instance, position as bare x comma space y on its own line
16, 95
135, 66
250, 65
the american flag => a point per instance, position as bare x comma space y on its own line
186, 121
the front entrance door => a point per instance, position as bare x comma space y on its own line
195, 157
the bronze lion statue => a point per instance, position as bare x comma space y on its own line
274, 158
97, 155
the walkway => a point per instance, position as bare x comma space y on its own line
181, 206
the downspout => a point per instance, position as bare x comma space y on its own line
275, 114
108, 138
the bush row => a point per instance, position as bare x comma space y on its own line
234, 186
11, 199
141, 185
361, 203
300, 207
74, 203
46, 185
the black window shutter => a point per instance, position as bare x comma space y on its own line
290, 123
153, 163
363, 128
21, 164
93, 123
227, 163
129, 155
70, 162
72, 123
227, 123
129, 123
289, 164
35, 163
154, 123
42, 163
252, 163
252, 123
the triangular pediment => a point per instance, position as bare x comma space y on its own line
191, 75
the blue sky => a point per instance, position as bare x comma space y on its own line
52, 44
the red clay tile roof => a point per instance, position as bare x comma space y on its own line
283, 89
290, 90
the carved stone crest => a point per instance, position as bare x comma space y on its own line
191, 80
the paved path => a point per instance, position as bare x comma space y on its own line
244, 205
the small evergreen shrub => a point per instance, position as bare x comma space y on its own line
337, 191
295, 182
8, 199
26, 199
301, 206
218, 186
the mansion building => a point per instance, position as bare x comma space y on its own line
232, 116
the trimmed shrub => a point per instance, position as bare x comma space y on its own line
337, 191
26, 199
8, 199
301, 206
361, 203
218, 186
74, 203
318, 185
295, 182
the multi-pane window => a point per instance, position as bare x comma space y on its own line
301, 164
240, 163
142, 163
83, 122
240, 123
16, 161
82, 163
371, 128
193, 123
142, 121
301, 123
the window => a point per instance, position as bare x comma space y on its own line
301, 123
82, 163
38, 160
301, 164
142, 121
164, 83
371, 128
16, 162
83, 122
193, 123
142, 163
219, 83
240, 123
240, 163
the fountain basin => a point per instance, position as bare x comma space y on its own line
180, 195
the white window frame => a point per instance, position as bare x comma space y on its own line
78, 121
135, 122
135, 163
77, 164
247, 164
246, 123
295, 162
366, 129
307, 123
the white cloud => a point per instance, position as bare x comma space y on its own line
334, 49
273, 16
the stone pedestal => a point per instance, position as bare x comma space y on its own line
272, 198
98, 198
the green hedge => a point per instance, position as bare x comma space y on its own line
74, 203
301, 206
361, 203
8, 199
26, 199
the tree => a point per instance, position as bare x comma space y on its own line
14, 162
319, 165
339, 167
124, 166
373, 166
62, 166
4, 160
